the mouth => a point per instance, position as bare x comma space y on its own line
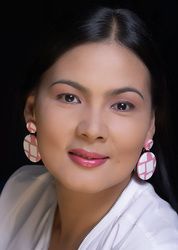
87, 159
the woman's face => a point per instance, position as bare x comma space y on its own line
94, 100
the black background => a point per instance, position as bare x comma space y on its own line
20, 26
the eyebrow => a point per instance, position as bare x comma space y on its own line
73, 84
83, 89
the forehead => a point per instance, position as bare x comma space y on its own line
104, 63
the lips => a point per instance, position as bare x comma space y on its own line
87, 159
88, 155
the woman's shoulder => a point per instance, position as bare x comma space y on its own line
29, 171
23, 176
139, 219
28, 181
150, 217
25, 204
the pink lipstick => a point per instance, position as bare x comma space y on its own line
87, 159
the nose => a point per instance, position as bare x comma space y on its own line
92, 127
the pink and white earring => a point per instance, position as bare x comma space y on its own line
30, 144
147, 162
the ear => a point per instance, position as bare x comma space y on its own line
29, 110
151, 130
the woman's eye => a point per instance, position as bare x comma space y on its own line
122, 106
68, 98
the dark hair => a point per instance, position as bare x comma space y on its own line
123, 27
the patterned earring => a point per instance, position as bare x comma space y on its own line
147, 162
30, 144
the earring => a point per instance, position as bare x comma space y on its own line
147, 162
30, 144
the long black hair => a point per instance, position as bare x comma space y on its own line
123, 27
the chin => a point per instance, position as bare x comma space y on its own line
86, 187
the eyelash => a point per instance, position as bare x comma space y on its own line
129, 106
61, 97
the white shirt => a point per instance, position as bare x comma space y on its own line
139, 219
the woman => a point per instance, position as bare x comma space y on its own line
93, 108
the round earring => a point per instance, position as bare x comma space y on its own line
147, 162
30, 144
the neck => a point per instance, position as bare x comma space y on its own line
78, 213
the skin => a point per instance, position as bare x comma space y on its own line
92, 121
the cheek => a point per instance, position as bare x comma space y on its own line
55, 128
128, 139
